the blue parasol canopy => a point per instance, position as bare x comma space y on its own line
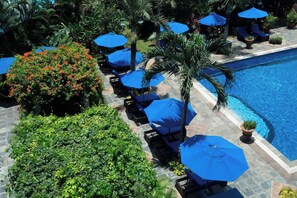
44, 48
122, 57
176, 27
213, 19
134, 79
253, 13
111, 40
168, 112
5, 64
213, 158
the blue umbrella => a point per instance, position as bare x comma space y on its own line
168, 112
213, 158
253, 13
123, 58
5, 64
111, 40
44, 48
213, 19
134, 79
176, 27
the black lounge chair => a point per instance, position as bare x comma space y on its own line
263, 36
165, 130
138, 115
118, 88
242, 34
193, 183
144, 99
173, 142
233, 192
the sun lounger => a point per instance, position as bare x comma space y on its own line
165, 130
118, 88
242, 34
202, 182
138, 115
193, 183
173, 142
263, 36
233, 192
144, 99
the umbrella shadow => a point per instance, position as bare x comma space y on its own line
193, 140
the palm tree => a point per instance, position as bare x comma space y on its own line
135, 12
187, 57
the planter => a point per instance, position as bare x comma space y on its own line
246, 134
249, 44
266, 29
291, 25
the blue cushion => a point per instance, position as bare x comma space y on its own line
255, 29
233, 193
165, 130
144, 97
174, 145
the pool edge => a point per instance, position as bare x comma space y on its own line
289, 166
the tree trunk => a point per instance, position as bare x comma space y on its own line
183, 132
226, 31
133, 49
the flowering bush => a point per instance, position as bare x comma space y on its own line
56, 81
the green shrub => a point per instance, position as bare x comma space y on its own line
287, 192
92, 154
270, 21
177, 167
292, 16
275, 40
51, 81
249, 124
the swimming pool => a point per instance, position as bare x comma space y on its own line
265, 90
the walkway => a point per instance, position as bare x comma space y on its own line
264, 172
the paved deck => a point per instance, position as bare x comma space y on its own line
264, 171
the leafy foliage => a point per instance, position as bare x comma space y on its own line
275, 40
287, 192
92, 154
249, 124
270, 20
292, 16
56, 80
163, 189
177, 167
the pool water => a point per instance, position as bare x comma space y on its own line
267, 93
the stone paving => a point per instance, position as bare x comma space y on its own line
263, 171
8, 118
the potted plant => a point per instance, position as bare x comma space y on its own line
269, 22
247, 128
249, 41
291, 19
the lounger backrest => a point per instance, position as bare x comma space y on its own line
255, 27
199, 181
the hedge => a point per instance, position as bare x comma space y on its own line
59, 81
92, 154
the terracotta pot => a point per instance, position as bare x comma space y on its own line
246, 134
249, 44
291, 25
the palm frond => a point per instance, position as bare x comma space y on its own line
222, 99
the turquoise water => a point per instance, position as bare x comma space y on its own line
268, 94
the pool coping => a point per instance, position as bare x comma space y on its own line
289, 166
